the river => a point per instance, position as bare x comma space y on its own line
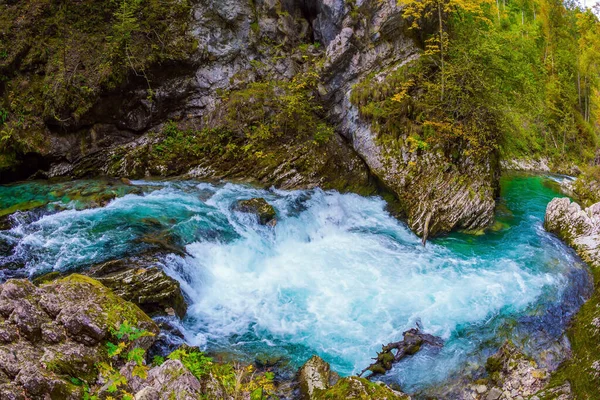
338, 276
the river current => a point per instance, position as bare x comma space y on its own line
338, 276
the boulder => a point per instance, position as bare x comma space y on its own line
579, 228
317, 381
55, 332
360, 389
141, 281
258, 206
171, 380
314, 374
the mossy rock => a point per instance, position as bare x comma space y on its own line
258, 206
57, 334
359, 389
141, 281
92, 311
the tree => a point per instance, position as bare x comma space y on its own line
419, 11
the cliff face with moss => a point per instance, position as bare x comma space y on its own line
273, 92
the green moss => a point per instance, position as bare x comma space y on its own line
494, 364
584, 336
358, 388
256, 130
58, 58
114, 310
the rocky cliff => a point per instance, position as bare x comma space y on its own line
254, 90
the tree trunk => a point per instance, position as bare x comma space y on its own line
441, 46
498, 9
579, 89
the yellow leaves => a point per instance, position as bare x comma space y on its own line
403, 93
140, 371
415, 143
419, 10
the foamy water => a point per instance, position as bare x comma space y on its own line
337, 276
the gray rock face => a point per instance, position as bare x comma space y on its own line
436, 199
579, 228
314, 374
240, 43
57, 331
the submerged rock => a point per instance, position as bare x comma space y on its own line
142, 281
56, 332
258, 206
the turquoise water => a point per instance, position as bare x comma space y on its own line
337, 276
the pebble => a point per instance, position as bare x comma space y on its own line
494, 394
481, 389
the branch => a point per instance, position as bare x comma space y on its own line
411, 344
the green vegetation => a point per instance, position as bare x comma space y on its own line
227, 380
358, 389
520, 77
257, 128
581, 371
57, 57
586, 189
250, 120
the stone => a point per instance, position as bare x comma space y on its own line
258, 206
59, 330
142, 281
170, 380
514, 373
481, 389
317, 381
494, 394
579, 228
314, 374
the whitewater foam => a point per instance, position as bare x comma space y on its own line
337, 276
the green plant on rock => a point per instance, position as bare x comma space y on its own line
195, 361
64, 55
236, 381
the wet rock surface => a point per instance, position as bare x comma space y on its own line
56, 332
141, 280
580, 229
258, 206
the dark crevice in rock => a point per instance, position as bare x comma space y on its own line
30, 163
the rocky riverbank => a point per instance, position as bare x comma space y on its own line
73, 338
580, 229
